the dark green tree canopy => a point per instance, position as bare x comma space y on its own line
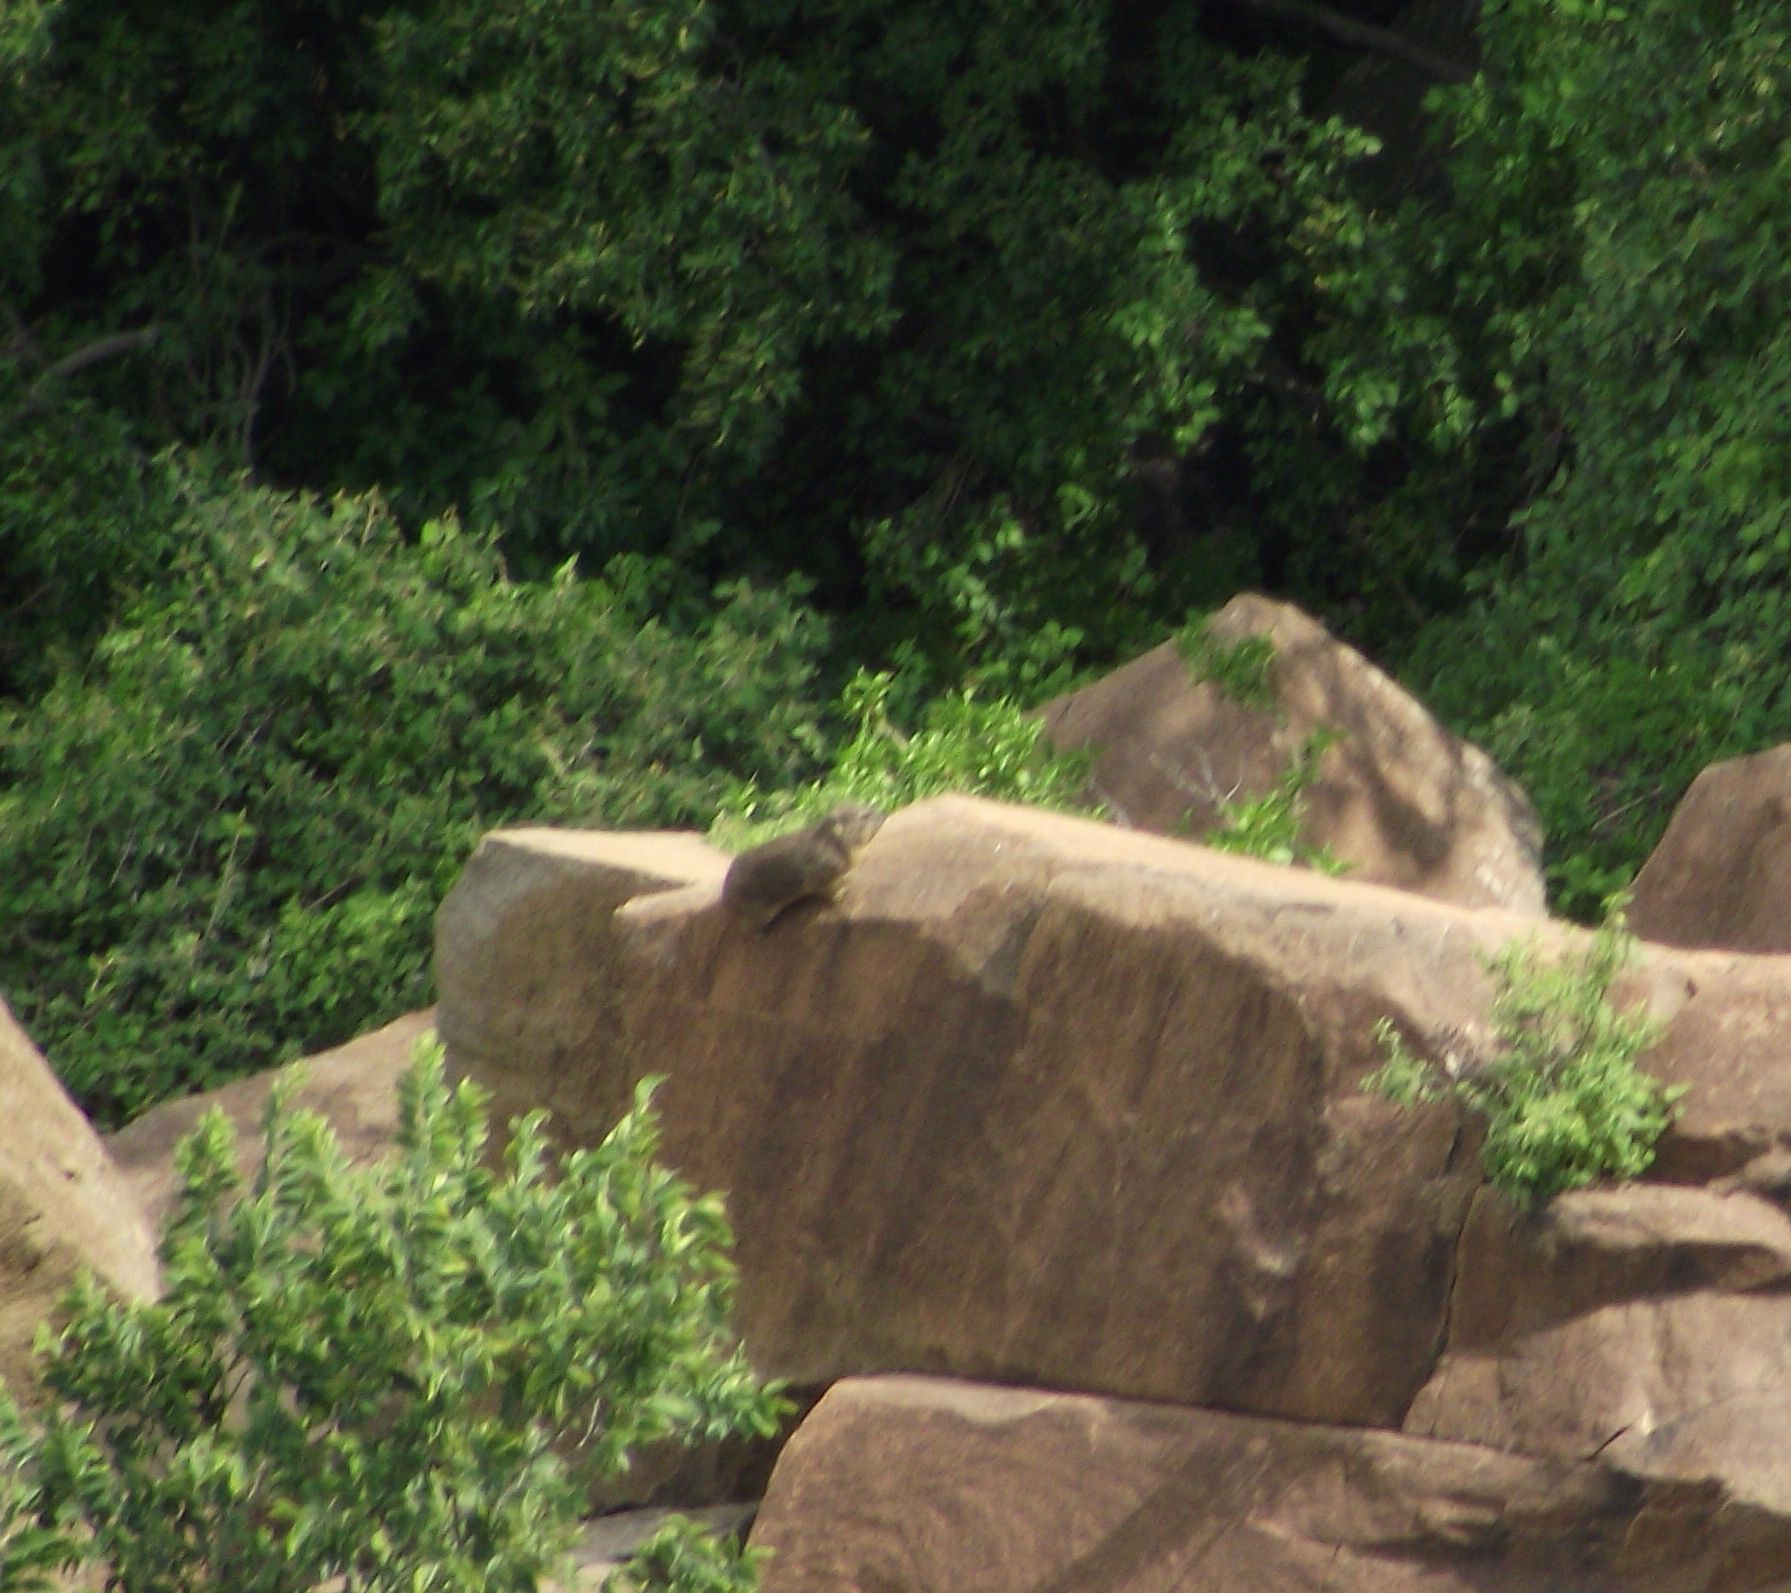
895, 295
759, 344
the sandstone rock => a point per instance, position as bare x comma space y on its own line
1051, 1103
63, 1205
911, 1485
353, 1087
1644, 1325
1718, 876
1728, 1044
527, 938
1041, 1100
1398, 797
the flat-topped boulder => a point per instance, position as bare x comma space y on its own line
1038, 1099
1043, 1102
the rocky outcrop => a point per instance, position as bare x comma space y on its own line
1644, 1326
1398, 797
1718, 876
1043, 1102
353, 1088
915, 1483
63, 1206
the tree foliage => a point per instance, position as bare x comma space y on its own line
85, 517
898, 296
379, 1373
224, 842
1002, 335
1619, 227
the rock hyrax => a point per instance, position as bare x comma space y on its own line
762, 881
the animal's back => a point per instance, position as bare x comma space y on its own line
764, 880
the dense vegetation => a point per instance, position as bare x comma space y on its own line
421, 414
1557, 1092
399, 1376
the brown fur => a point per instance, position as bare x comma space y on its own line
764, 880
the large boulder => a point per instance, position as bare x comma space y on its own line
1041, 1100
1044, 1102
924, 1485
63, 1206
1397, 796
352, 1087
1718, 876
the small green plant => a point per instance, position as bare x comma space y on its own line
1243, 670
1268, 827
984, 746
362, 1373
1560, 1094
684, 1557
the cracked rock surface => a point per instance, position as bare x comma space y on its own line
1046, 1104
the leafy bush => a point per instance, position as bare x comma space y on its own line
1242, 670
1269, 825
85, 519
363, 1372
1618, 226
980, 746
222, 845
1562, 1100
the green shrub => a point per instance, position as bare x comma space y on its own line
1630, 272
363, 1372
982, 746
222, 844
1560, 1095
85, 518
1269, 826
1242, 670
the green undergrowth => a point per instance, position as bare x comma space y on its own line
965, 742
224, 836
403, 1375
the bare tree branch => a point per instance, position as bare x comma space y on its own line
1365, 35
101, 348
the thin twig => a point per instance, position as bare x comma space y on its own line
101, 348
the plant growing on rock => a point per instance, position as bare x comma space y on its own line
1560, 1094
1268, 826
1242, 670
985, 746
361, 1373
